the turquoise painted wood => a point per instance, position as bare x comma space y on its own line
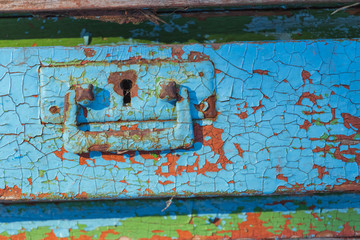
262, 118
129, 121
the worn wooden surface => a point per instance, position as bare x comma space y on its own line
62, 5
183, 27
206, 218
286, 120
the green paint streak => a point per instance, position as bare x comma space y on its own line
5, 234
274, 220
304, 220
42, 173
37, 233
201, 225
324, 136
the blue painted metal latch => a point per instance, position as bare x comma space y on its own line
134, 107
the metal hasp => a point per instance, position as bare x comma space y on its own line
127, 107
179, 136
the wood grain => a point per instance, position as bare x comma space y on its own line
66, 5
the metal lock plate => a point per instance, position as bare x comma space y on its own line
146, 106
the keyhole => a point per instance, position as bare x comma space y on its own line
126, 86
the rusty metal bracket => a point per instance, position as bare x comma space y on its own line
181, 135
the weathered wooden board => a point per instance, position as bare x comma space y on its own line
286, 121
210, 218
63, 5
182, 27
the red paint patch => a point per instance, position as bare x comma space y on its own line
177, 51
30, 180
294, 188
217, 71
89, 52
348, 231
237, 146
154, 155
84, 158
261, 72
347, 185
312, 112
51, 236
60, 153
114, 157
305, 125
258, 107
216, 144
157, 237
342, 85
197, 56
132, 127
19, 236
339, 154
82, 195
123, 181
311, 96
42, 196
10, 193
104, 234
135, 59
281, 177
321, 171
242, 115
183, 235
166, 182
171, 164
306, 76
351, 121
253, 227
149, 191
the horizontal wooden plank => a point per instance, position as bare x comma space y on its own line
214, 27
320, 216
287, 120
63, 5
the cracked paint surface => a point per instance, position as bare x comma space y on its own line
204, 218
287, 120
